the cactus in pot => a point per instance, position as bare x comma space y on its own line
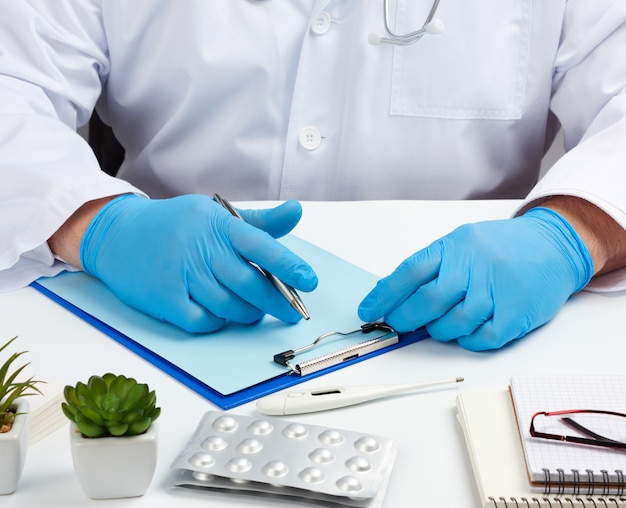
112, 409
110, 405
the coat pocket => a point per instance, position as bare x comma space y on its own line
475, 69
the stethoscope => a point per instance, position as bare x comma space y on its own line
430, 26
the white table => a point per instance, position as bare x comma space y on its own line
432, 467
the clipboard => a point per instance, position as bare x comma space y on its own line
234, 365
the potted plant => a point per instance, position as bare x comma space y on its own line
113, 435
13, 420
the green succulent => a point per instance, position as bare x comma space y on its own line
110, 405
11, 389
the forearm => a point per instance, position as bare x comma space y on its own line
605, 238
65, 242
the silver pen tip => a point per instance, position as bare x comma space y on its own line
300, 308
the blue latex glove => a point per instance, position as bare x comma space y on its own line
185, 260
485, 284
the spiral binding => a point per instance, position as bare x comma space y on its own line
585, 485
581, 492
559, 502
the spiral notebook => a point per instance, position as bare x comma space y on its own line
555, 466
487, 419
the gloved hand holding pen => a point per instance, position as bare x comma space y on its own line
186, 260
485, 284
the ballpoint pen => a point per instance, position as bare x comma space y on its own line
288, 292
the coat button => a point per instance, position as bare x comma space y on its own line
310, 138
321, 25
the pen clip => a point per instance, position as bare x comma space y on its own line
225, 204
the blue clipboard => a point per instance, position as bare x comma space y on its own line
235, 365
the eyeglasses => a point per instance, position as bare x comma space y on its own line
430, 26
609, 427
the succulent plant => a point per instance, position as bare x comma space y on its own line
11, 389
110, 405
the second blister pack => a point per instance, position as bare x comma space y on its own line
274, 456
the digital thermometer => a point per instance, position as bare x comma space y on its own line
322, 399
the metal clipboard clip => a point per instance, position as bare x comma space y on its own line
388, 337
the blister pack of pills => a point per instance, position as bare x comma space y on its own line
279, 457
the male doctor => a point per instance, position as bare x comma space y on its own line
286, 100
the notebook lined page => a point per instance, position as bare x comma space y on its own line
567, 462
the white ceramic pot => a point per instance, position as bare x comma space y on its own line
114, 467
13, 446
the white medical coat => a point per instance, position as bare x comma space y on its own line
276, 99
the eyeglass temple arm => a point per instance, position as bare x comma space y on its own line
581, 428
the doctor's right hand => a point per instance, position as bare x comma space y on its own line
186, 260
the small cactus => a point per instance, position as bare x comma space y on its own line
110, 405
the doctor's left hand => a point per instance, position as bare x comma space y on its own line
485, 284
186, 260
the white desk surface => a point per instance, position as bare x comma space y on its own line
432, 467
